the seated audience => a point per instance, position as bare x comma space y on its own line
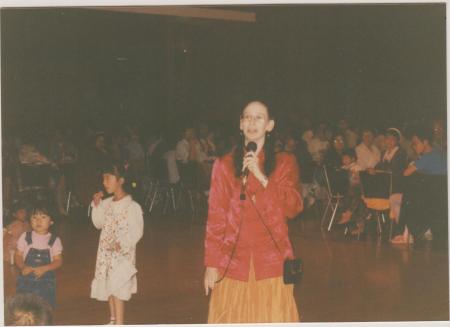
306, 166
367, 153
318, 145
350, 137
393, 159
352, 199
333, 157
423, 210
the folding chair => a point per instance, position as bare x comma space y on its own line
160, 191
337, 184
376, 189
34, 180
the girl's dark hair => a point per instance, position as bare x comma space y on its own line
269, 150
120, 170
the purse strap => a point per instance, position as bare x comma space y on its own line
263, 222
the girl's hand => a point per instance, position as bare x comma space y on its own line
27, 270
211, 276
97, 197
39, 271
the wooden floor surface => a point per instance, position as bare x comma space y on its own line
345, 280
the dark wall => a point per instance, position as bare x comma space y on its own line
371, 63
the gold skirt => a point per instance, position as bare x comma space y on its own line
264, 301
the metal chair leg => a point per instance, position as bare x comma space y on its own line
152, 203
379, 224
325, 212
391, 229
172, 195
334, 214
166, 201
68, 202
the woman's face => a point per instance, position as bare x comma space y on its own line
367, 138
338, 143
390, 142
417, 144
100, 142
255, 122
21, 214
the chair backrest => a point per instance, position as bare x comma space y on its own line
378, 185
160, 170
34, 176
337, 180
188, 174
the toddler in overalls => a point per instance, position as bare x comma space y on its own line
38, 255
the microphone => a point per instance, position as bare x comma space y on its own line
251, 147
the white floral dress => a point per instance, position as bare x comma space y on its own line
122, 227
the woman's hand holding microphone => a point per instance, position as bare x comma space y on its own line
251, 162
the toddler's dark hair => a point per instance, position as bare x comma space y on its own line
47, 208
27, 309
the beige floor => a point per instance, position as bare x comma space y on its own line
345, 280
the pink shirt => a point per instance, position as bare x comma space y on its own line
40, 242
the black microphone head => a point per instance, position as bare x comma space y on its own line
251, 147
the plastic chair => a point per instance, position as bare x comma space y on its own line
159, 190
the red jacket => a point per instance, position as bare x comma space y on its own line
279, 201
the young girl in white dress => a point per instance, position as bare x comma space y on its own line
121, 223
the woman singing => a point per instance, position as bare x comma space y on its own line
247, 239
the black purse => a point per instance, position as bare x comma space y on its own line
292, 271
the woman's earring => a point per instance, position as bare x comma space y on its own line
268, 134
241, 133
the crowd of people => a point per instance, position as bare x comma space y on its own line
69, 165
68, 168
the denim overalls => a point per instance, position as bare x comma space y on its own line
45, 286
